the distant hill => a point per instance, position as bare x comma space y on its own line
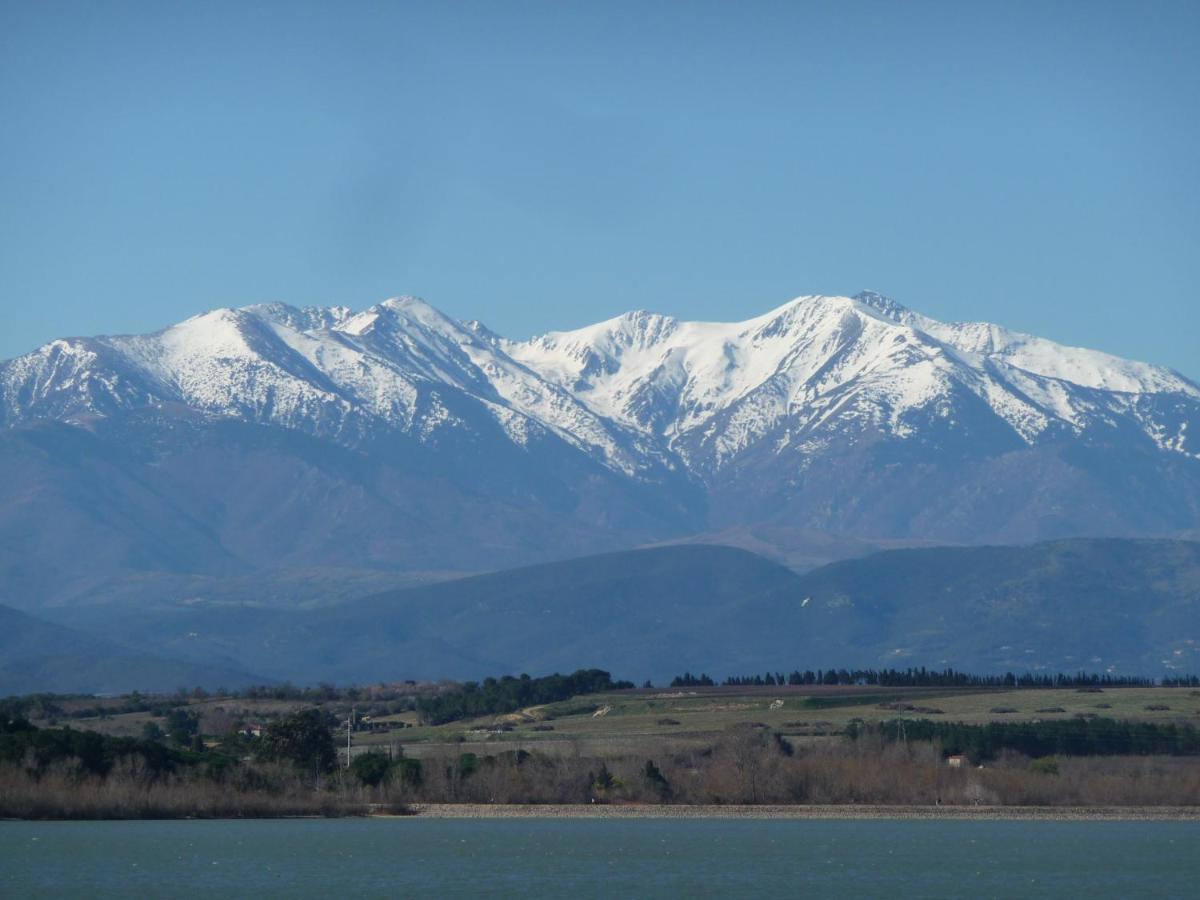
622, 611
1129, 605
1074, 604
39, 656
800, 549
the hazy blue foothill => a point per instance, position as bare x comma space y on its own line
41, 656
1057, 606
601, 858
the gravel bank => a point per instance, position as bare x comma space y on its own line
604, 811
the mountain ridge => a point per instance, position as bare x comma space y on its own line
1116, 605
300, 367
397, 438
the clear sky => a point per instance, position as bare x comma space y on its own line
546, 165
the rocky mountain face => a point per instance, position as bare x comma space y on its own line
397, 438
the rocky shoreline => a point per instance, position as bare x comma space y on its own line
612, 811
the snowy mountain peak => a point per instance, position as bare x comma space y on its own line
403, 312
882, 304
818, 366
638, 328
637, 393
411, 306
302, 318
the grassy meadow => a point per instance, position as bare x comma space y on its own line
645, 718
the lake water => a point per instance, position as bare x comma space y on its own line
600, 857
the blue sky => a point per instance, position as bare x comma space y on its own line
546, 165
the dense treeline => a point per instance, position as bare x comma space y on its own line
922, 677
1069, 737
326, 693
84, 706
382, 699
292, 770
1192, 681
90, 752
687, 679
302, 738
508, 694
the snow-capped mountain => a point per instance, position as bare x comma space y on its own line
633, 391
816, 364
399, 437
398, 366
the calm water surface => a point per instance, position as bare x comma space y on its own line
598, 857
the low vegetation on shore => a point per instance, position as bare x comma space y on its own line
64, 773
753, 765
585, 739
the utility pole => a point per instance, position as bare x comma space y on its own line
349, 730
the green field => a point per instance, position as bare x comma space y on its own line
643, 720
636, 721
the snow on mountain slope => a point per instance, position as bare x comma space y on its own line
640, 393
1075, 365
817, 363
400, 365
